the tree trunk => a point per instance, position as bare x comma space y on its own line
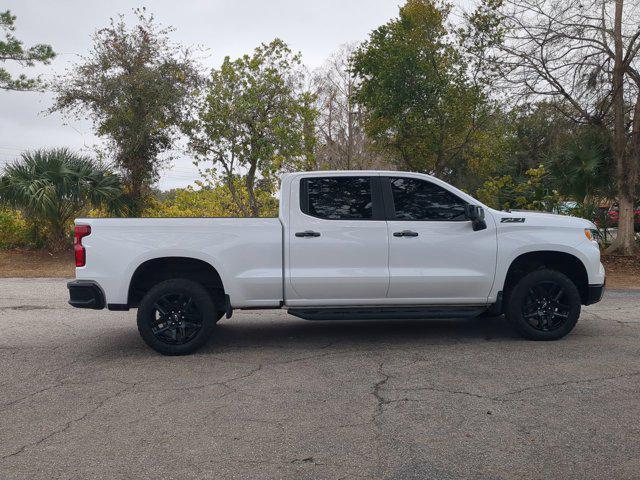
626, 232
234, 194
625, 164
136, 189
624, 243
250, 184
350, 114
308, 135
58, 240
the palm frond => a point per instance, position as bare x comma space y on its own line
54, 185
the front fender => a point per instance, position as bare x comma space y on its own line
512, 245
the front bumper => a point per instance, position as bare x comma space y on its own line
85, 294
594, 294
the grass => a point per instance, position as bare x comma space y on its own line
36, 263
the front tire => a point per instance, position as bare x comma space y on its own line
176, 317
544, 305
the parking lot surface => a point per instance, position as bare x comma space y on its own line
272, 396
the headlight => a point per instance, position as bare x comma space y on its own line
592, 234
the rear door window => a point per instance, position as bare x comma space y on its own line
337, 198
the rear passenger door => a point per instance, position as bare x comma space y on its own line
338, 245
435, 256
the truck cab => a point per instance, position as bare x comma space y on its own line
383, 240
346, 245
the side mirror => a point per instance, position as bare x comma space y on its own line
475, 213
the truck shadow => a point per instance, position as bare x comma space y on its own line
251, 333
294, 333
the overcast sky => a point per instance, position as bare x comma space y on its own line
225, 27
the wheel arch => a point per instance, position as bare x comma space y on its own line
568, 264
158, 269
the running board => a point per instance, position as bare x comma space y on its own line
386, 313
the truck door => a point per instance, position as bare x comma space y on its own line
435, 256
338, 245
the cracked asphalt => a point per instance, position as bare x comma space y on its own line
275, 397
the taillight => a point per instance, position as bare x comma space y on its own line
78, 233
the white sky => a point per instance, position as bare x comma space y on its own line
225, 27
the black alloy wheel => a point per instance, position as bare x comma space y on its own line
177, 316
546, 307
543, 305
177, 319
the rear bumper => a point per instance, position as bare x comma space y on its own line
85, 294
594, 294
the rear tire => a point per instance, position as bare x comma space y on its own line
544, 305
177, 317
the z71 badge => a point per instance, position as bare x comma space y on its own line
512, 220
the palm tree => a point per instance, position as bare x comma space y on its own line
582, 170
582, 167
53, 186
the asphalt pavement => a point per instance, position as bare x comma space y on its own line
275, 397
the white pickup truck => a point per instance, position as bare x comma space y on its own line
347, 245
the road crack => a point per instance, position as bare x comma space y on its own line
500, 398
68, 424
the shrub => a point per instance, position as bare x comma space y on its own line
529, 193
207, 202
15, 231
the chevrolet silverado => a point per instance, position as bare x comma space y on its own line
346, 245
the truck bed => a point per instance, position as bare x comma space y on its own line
246, 251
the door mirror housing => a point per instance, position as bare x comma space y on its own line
475, 213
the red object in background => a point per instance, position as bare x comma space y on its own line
79, 232
613, 216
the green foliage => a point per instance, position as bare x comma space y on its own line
529, 193
210, 201
577, 159
51, 187
583, 168
482, 31
253, 123
423, 105
479, 36
15, 232
137, 88
577, 162
11, 49
537, 131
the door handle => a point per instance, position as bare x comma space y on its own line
308, 233
405, 233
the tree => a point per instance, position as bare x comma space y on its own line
423, 104
584, 53
209, 201
16, 231
536, 132
137, 87
54, 186
253, 123
11, 49
582, 167
530, 192
577, 157
342, 142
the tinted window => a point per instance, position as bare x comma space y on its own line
420, 200
338, 198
